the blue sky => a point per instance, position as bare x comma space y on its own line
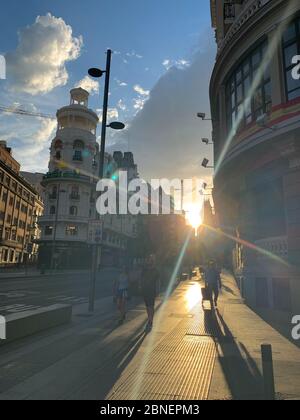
158, 44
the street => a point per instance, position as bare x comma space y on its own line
22, 294
193, 353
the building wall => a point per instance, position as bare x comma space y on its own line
257, 165
20, 207
71, 224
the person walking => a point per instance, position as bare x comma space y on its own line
213, 283
121, 293
149, 286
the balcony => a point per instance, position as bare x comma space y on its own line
66, 175
51, 218
277, 246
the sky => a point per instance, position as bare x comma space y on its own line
164, 52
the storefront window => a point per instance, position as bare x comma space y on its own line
291, 48
242, 106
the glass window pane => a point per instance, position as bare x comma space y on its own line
256, 59
232, 85
233, 100
267, 74
247, 86
289, 53
294, 95
268, 92
258, 99
290, 33
248, 108
246, 68
291, 82
239, 76
239, 93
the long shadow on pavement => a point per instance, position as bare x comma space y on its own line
243, 377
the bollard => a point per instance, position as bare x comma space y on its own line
268, 372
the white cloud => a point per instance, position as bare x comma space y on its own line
139, 103
134, 55
92, 86
141, 91
180, 64
166, 63
112, 114
122, 105
165, 133
120, 83
38, 65
29, 140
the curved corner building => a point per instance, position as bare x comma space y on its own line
255, 103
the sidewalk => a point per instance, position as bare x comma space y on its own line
191, 354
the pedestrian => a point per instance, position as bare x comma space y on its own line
213, 283
121, 293
149, 286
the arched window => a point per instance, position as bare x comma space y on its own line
73, 211
52, 210
58, 155
53, 194
58, 144
78, 147
75, 192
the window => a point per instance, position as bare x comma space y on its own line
11, 201
48, 230
73, 211
78, 156
75, 193
5, 255
58, 144
71, 230
58, 155
53, 195
291, 47
52, 210
243, 107
4, 197
78, 147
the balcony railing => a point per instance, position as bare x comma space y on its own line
277, 246
72, 175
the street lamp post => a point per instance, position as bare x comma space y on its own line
98, 73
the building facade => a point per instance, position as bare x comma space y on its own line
69, 186
255, 104
70, 221
20, 208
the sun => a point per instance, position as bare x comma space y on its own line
194, 216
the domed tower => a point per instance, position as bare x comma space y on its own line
70, 185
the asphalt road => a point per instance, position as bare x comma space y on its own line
18, 295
